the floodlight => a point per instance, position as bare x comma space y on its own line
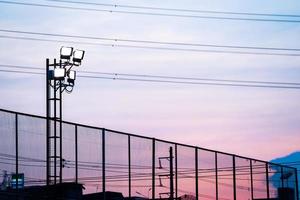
66, 53
71, 77
78, 56
59, 73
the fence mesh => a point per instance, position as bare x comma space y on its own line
31, 147
7, 143
141, 167
90, 159
206, 174
135, 166
243, 178
186, 170
116, 163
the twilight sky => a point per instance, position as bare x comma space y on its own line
256, 122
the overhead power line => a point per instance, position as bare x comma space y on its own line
168, 81
120, 167
242, 168
190, 78
116, 74
150, 47
193, 83
149, 41
151, 13
176, 9
22, 72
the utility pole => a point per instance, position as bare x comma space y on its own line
170, 174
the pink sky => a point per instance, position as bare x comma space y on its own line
261, 123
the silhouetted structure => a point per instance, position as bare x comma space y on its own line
64, 191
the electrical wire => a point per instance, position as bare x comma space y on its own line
91, 165
98, 165
142, 176
149, 41
167, 81
151, 47
87, 180
141, 167
192, 83
22, 72
174, 9
116, 74
71, 164
151, 13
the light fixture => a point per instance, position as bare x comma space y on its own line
78, 56
66, 52
71, 76
59, 73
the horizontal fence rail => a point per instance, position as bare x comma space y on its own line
137, 166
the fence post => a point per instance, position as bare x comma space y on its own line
17, 153
267, 179
251, 179
234, 177
176, 175
129, 167
76, 153
171, 175
216, 173
103, 164
196, 172
153, 168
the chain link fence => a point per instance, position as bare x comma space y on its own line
136, 166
